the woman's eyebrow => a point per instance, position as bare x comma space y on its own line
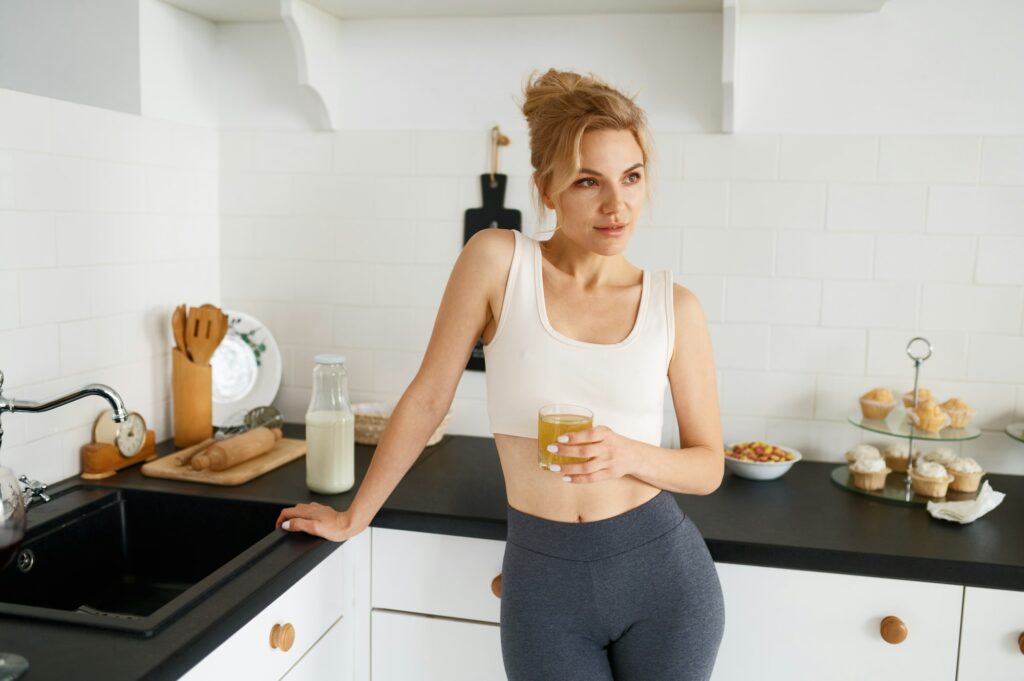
594, 172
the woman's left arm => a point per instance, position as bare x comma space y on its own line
698, 465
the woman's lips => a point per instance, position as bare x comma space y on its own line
611, 231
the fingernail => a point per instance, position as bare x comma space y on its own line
563, 438
553, 449
554, 467
286, 525
566, 478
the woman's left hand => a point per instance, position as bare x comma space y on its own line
610, 455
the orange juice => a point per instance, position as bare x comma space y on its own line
556, 422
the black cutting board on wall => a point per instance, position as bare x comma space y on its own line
492, 215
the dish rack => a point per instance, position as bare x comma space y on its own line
372, 418
897, 424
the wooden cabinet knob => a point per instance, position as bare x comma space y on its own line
893, 629
496, 586
1020, 642
282, 637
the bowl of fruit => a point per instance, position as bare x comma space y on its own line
759, 460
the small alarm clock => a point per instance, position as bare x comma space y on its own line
116, 445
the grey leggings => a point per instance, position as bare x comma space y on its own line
635, 597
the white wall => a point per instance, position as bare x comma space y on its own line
442, 74
816, 256
178, 79
107, 220
918, 66
86, 52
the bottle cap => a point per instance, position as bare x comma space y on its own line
329, 359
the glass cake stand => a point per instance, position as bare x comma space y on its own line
898, 489
1016, 431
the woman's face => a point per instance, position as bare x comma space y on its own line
609, 190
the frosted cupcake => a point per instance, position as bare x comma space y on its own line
960, 412
862, 452
941, 455
930, 479
966, 475
922, 395
897, 456
869, 473
877, 403
928, 417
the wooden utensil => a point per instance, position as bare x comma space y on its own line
178, 328
237, 449
203, 334
184, 457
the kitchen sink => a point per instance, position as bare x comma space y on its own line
131, 560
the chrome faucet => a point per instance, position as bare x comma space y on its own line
34, 489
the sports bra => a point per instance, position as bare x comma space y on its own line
530, 364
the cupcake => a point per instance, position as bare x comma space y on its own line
941, 455
897, 456
928, 417
922, 395
930, 479
877, 403
863, 452
869, 473
959, 412
966, 475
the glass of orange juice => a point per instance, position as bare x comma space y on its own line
554, 420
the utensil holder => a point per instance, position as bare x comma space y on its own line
192, 387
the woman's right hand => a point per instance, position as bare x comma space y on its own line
320, 521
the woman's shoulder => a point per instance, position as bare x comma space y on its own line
491, 247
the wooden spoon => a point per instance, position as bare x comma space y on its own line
203, 334
178, 328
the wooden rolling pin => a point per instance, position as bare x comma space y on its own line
235, 450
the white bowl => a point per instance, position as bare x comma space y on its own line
756, 470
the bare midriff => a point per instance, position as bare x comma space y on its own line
538, 492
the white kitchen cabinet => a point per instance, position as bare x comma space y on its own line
320, 601
408, 647
436, 574
782, 625
991, 637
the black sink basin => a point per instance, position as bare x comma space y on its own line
128, 559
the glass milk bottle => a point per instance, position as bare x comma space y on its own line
330, 429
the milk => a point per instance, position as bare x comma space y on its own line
330, 451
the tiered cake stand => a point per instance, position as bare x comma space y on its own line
897, 488
1016, 431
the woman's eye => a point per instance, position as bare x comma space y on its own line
636, 175
586, 179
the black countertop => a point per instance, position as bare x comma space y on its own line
801, 521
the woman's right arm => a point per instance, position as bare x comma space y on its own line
478, 277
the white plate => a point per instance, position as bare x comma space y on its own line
239, 382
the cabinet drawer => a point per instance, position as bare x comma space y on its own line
329, 658
792, 624
422, 648
990, 648
312, 605
436, 574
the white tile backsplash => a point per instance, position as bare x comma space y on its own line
929, 158
816, 257
107, 221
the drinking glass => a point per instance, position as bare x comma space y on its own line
554, 420
12, 531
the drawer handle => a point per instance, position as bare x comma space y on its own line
1020, 642
893, 629
282, 637
496, 590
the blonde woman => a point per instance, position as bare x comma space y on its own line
604, 577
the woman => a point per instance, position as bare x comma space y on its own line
604, 577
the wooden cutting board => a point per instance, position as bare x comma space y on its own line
286, 449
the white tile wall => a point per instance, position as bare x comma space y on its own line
106, 221
816, 257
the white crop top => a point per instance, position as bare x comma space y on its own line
529, 364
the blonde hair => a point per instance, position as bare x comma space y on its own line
559, 107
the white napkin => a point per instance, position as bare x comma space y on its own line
965, 512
